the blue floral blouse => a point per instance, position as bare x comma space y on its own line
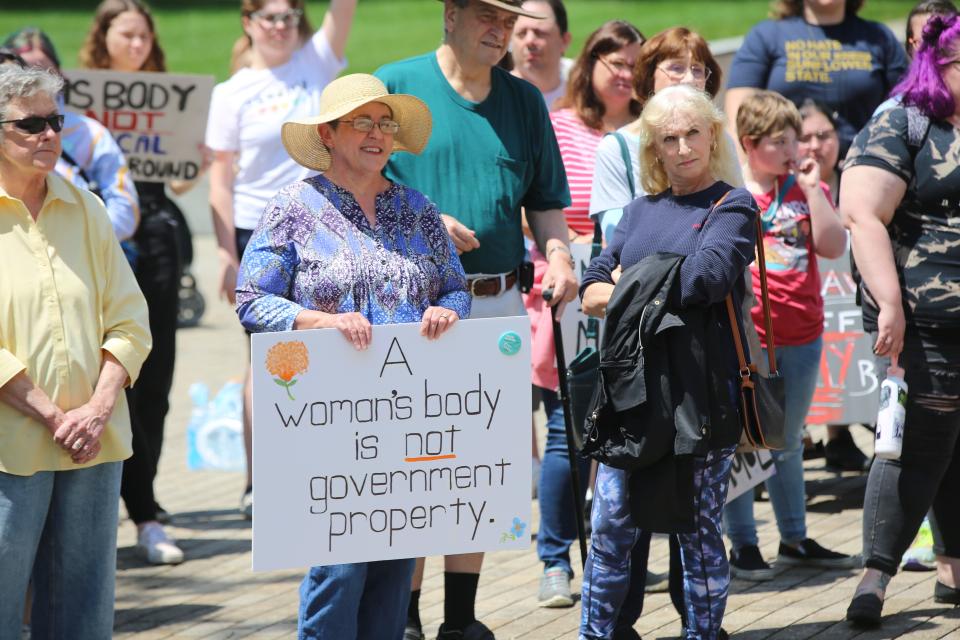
315, 249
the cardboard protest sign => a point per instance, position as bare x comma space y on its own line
847, 389
410, 448
574, 323
749, 470
158, 119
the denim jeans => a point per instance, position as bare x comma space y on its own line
61, 526
799, 366
899, 492
358, 601
612, 586
558, 524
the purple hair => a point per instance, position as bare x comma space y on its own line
923, 85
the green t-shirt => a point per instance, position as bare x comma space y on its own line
484, 161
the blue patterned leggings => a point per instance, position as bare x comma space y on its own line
607, 593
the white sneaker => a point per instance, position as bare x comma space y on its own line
156, 547
25, 632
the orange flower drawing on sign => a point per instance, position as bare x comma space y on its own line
286, 360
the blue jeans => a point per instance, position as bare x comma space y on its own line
800, 367
612, 590
61, 526
558, 524
362, 601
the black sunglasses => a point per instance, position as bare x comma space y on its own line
37, 124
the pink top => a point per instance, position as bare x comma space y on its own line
578, 148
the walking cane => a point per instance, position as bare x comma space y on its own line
568, 427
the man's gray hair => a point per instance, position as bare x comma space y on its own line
16, 83
460, 4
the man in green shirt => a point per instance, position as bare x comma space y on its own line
492, 153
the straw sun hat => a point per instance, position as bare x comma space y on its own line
513, 6
302, 139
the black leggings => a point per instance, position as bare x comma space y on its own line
900, 492
158, 274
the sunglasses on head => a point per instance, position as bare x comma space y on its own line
37, 124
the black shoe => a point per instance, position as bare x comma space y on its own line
814, 451
162, 516
864, 611
412, 631
946, 595
476, 630
748, 564
626, 633
842, 454
810, 554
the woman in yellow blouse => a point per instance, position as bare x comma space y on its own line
73, 334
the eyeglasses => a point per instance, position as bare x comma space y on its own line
678, 71
822, 136
37, 124
9, 56
290, 18
364, 124
617, 67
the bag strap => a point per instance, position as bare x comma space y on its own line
745, 369
625, 154
765, 303
918, 125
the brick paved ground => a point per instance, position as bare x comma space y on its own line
215, 595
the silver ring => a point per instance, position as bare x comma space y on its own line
444, 316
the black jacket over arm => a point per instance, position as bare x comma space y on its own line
668, 373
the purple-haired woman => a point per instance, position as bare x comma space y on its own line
899, 193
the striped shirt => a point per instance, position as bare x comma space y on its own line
578, 148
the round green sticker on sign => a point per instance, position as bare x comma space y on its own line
510, 343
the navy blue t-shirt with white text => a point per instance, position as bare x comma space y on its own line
850, 67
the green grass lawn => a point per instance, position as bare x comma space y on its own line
197, 36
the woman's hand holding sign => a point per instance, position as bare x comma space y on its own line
354, 326
436, 320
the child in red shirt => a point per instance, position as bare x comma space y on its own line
799, 223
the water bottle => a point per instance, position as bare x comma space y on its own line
200, 397
891, 415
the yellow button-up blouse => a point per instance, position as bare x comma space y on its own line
66, 294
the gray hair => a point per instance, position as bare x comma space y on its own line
16, 83
460, 4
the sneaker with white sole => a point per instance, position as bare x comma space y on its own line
156, 546
657, 582
807, 553
246, 503
746, 563
555, 589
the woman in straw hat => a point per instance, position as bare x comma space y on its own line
349, 249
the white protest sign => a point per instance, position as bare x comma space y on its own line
158, 119
574, 322
749, 470
410, 448
847, 390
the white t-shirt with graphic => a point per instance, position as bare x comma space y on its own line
247, 111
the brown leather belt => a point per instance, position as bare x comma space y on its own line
485, 287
